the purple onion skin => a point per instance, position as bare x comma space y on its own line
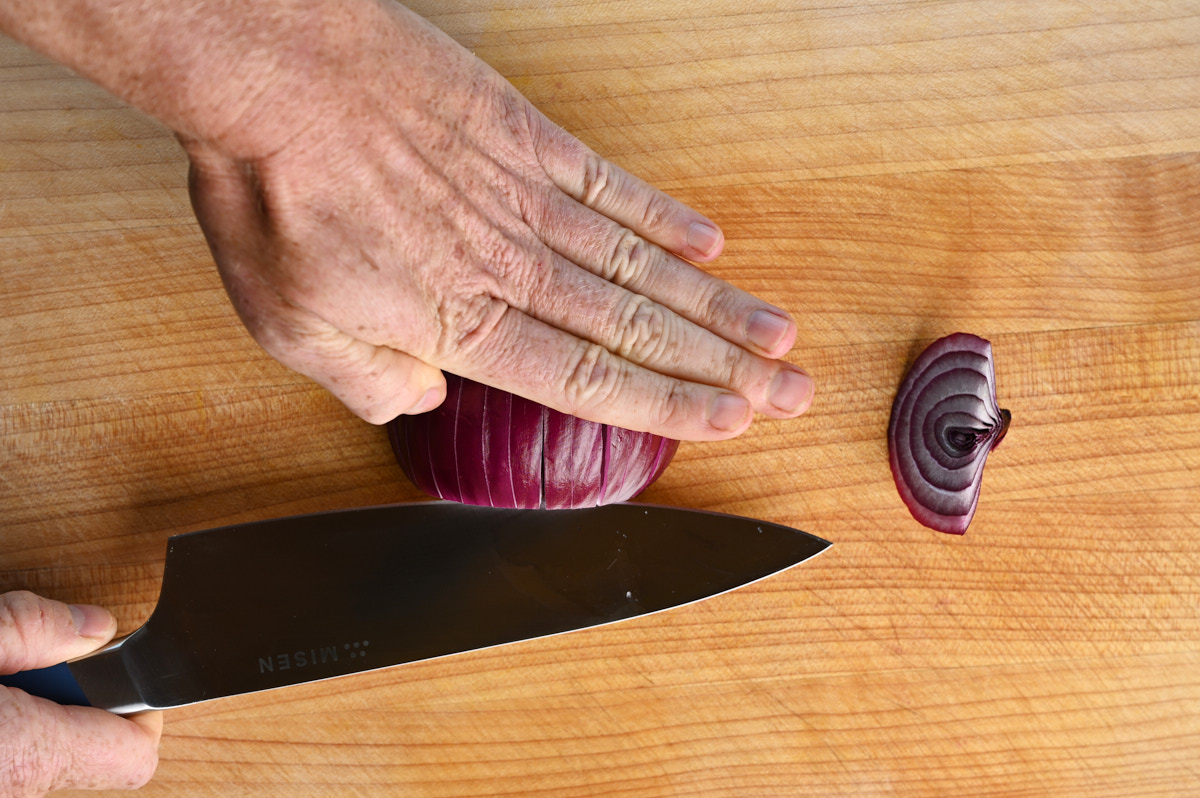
945, 421
488, 447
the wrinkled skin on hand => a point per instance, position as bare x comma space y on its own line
384, 205
44, 746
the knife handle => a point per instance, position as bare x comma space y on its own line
56, 683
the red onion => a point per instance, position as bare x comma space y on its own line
945, 421
485, 446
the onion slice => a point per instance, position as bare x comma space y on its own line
945, 420
488, 447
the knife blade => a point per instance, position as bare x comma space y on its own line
286, 601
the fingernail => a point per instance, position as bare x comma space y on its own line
791, 391
431, 399
703, 238
728, 411
90, 620
766, 330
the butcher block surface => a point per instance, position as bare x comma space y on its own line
889, 172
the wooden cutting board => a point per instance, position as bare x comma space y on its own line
888, 171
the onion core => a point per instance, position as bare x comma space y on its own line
945, 420
488, 447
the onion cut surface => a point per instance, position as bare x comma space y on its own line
945, 421
488, 447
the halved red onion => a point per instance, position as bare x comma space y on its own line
488, 447
945, 421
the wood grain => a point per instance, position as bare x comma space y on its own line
730, 94
888, 171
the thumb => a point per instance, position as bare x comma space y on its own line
376, 383
36, 632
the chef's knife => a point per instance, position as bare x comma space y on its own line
274, 603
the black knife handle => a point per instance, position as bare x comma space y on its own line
56, 683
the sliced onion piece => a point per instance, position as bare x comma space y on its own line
488, 447
945, 420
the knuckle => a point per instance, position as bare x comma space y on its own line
511, 192
671, 407
643, 327
502, 261
732, 367
712, 303
594, 379
630, 258
599, 180
657, 211
467, 311
591, 377
23, 619
468, 323
19, 609
515, 112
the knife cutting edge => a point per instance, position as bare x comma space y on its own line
287, 601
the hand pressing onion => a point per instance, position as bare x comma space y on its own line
945, 421
488, 447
